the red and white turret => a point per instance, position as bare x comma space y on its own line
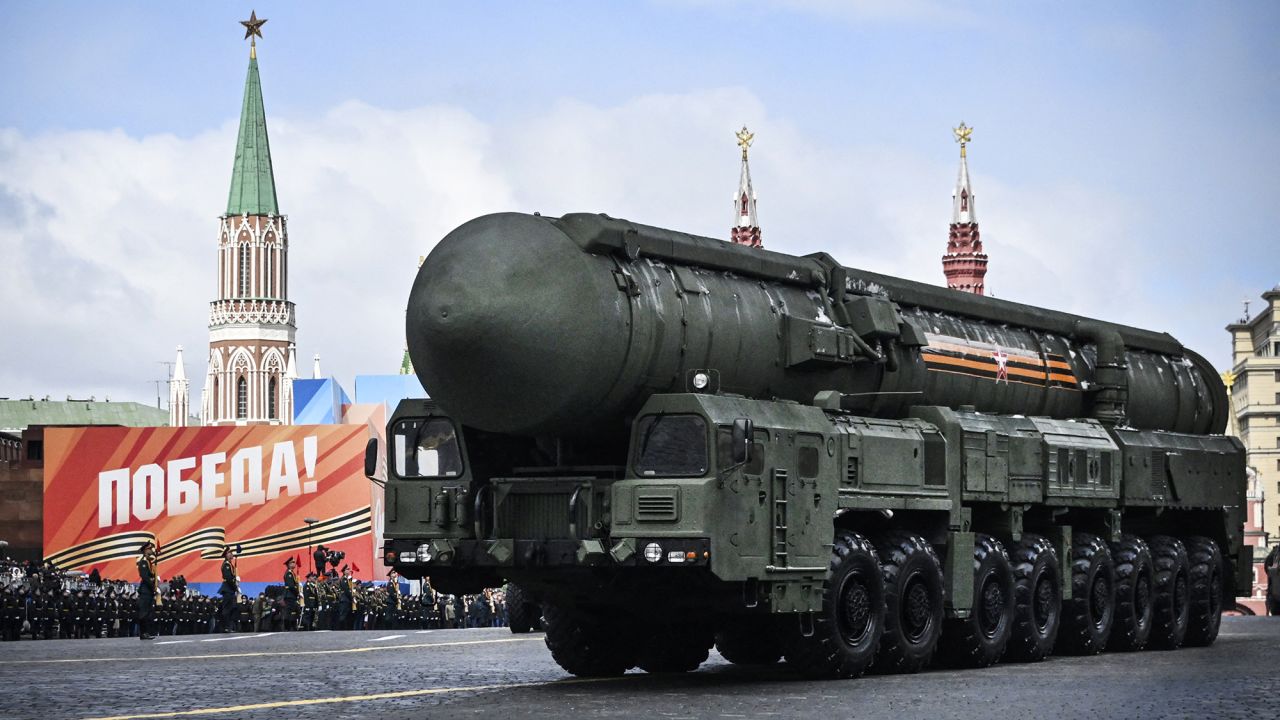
964, 265
746, 227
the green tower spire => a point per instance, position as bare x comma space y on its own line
253, 184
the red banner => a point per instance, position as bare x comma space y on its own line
195, 490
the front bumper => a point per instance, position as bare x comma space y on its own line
417, 557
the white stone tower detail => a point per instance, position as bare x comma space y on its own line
179, 394
290, 374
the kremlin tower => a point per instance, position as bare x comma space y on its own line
252, 322
179, 394
965, 265
746, 228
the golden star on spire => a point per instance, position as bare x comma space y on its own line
253, 26
744, 140
964, 136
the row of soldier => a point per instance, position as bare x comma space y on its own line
42, 602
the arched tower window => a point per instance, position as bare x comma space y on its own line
244, 269
242, 398
271, 399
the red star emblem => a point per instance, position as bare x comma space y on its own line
1002, 365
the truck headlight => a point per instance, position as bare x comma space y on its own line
424, 553
653, 552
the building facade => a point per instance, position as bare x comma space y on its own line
22, 451
965, 264
252, 322
1254, 384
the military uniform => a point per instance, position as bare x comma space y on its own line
110, 615
346, 603
1272, 567
93, 616
310, 602
393, 603
244, 616
427, 600
330, 605
12, 625
36, 613
292, 594
230, 592
147, 597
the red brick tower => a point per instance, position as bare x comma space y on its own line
746, 228
965, 265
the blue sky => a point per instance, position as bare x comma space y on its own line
1124, 157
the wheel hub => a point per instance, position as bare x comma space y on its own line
1043, 606
917, 611
1180, 595
1141, 599
855, 610
992, 609
1099, 601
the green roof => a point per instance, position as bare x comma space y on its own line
253, 184
17, 415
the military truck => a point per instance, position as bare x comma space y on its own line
675, 443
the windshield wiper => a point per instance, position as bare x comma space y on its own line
648, 433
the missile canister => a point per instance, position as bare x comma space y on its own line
532, 325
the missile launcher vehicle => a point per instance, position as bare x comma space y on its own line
673, 443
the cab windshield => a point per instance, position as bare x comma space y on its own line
671, 445
426, 448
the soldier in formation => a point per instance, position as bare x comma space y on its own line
148, 591
229, 590
1272, 567
293, 597
392, 602
347, 600
310, 602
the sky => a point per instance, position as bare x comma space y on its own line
1124, 158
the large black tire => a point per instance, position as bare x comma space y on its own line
522, 615
674, 648
980, 639
1172, 605
1135, 593
847, 631
1088, 616
1204, 585
913, 596
586, 644
1037, 589
752, 641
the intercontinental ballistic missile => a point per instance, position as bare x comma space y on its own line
538, 326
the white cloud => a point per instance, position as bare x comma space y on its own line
856, 12
108, 240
